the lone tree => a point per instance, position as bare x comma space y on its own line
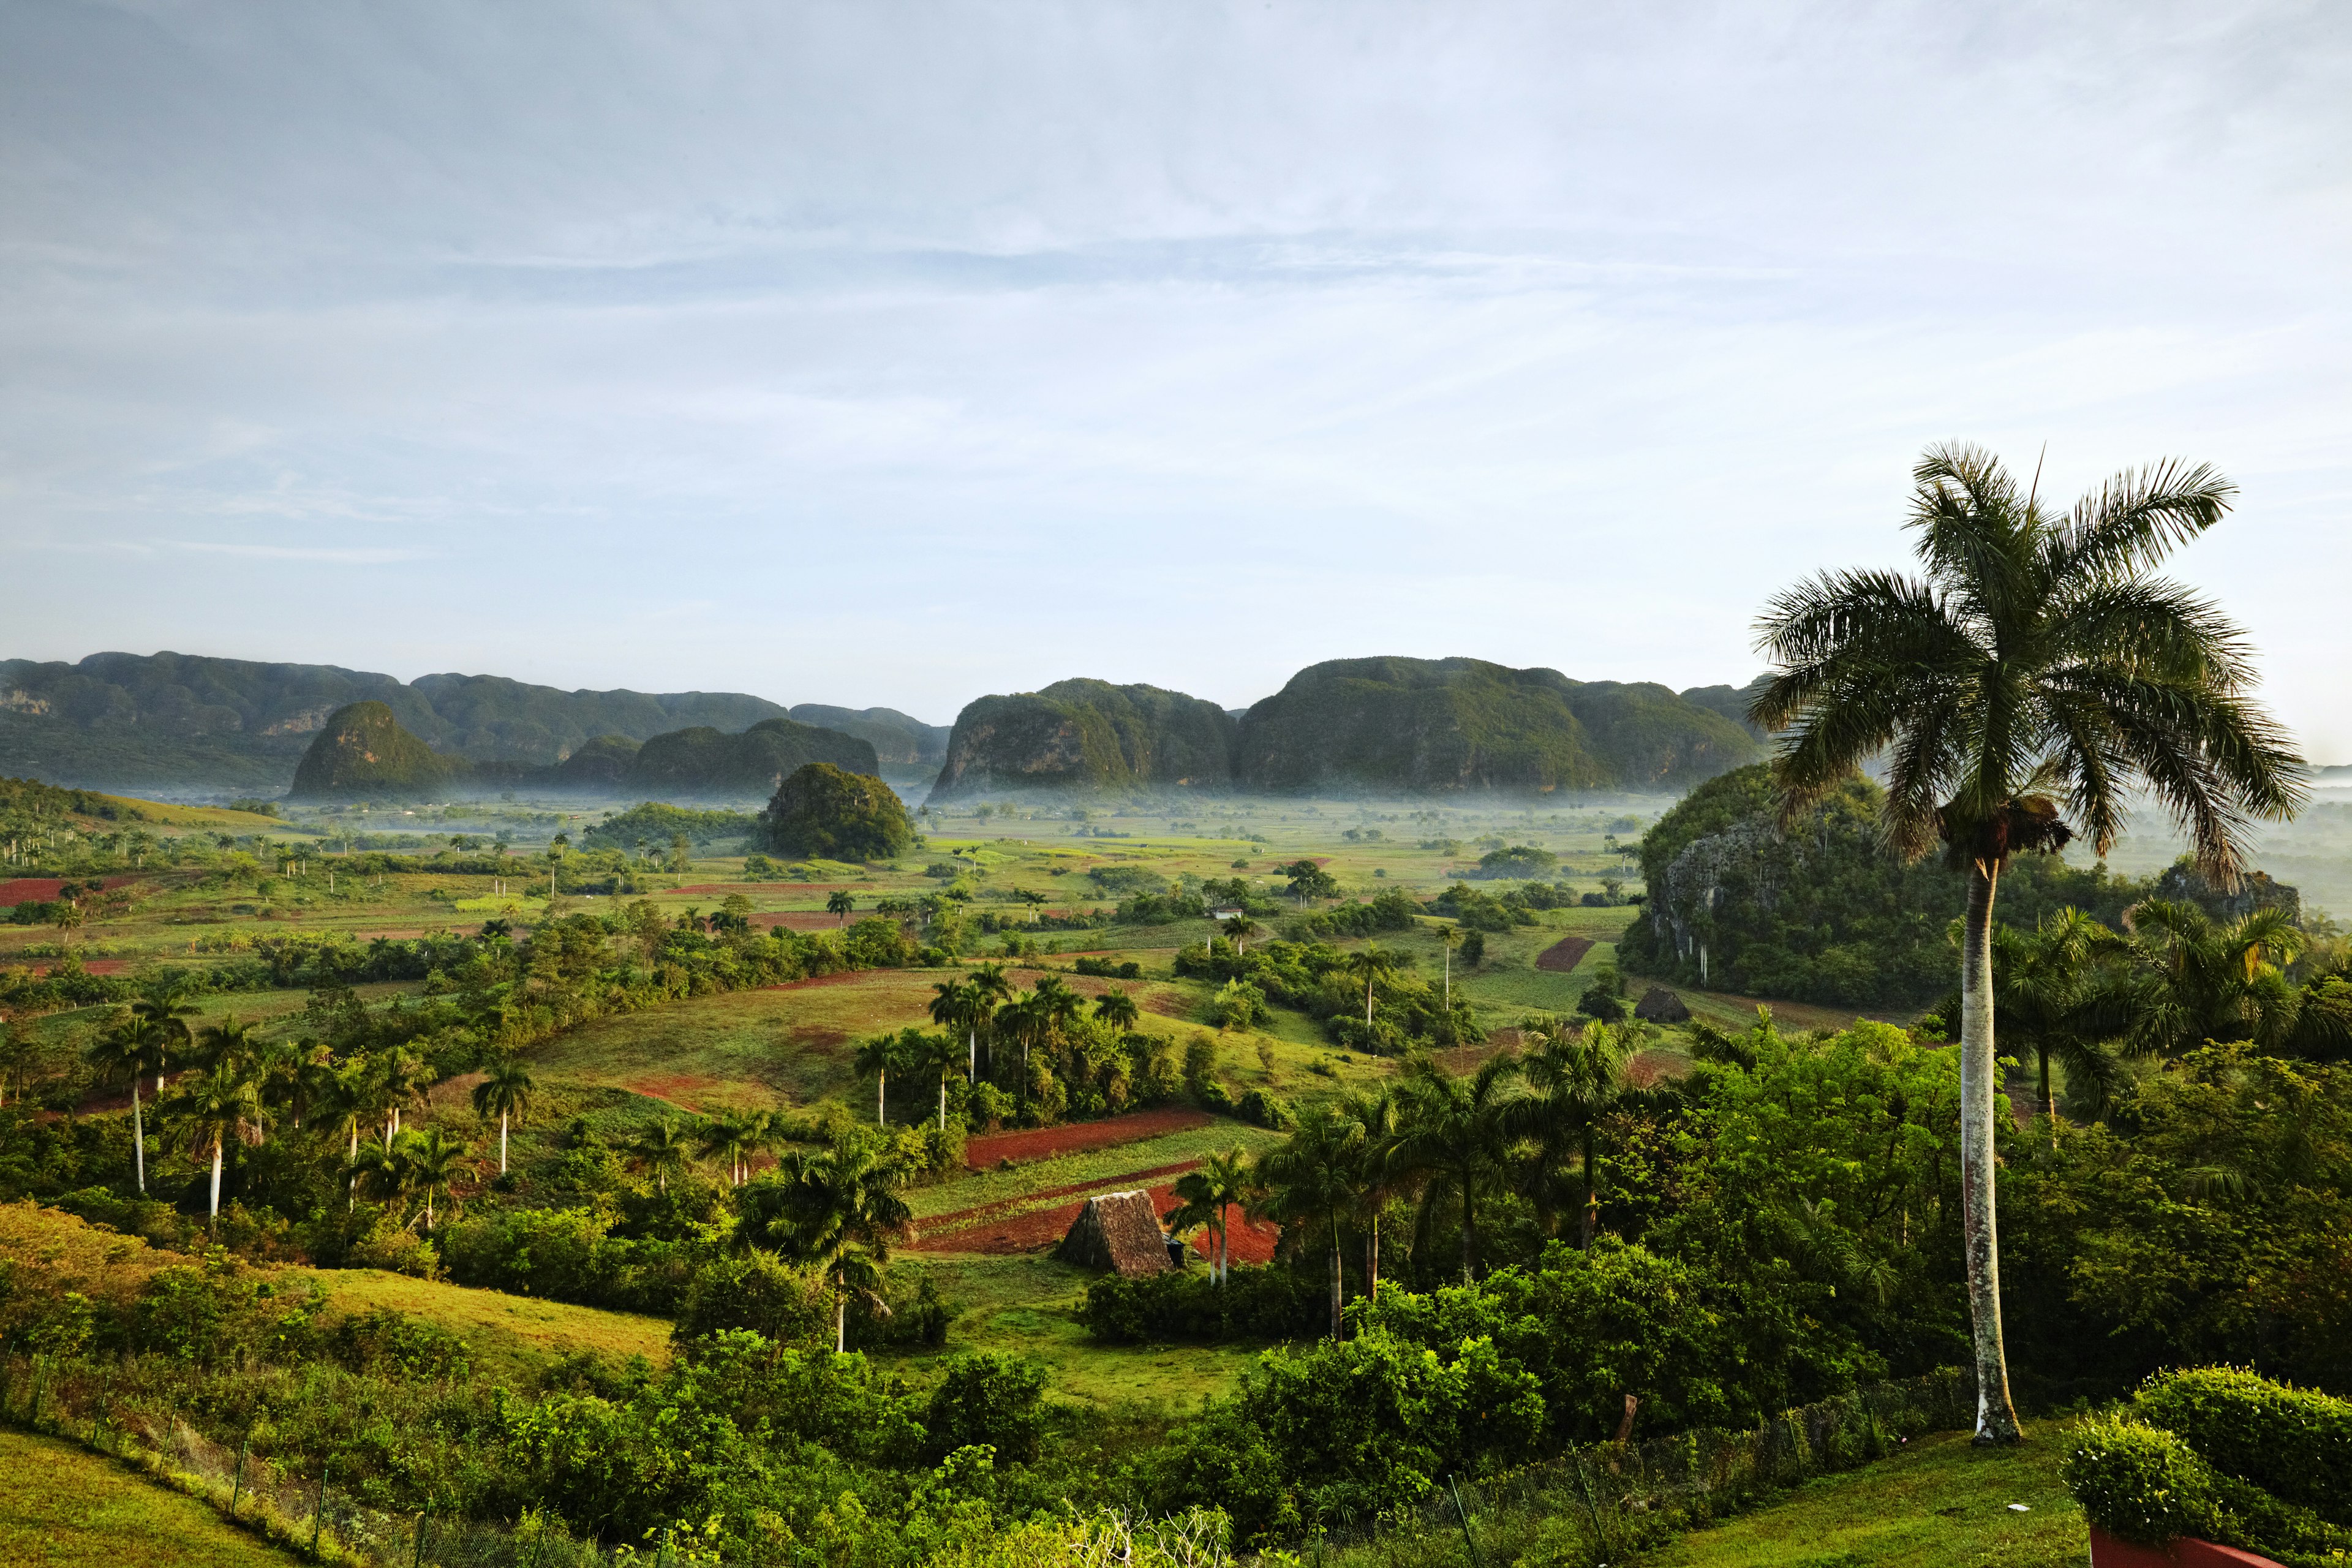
822, 812
2037, 672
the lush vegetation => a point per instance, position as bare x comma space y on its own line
1087, 735
1408, 724
822, 811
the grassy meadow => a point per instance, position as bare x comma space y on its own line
62, 1506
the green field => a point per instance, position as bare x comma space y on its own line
63, 1507
1941, 1504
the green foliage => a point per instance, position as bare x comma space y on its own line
1518, 860
987, 1399
656, 823
754, 1290
1459, 723
1186, 1305
2146, 1484
2294, 1443
822, 812
1088, 735
706, 762
363, 753
1821, 912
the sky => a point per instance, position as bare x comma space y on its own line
880, 353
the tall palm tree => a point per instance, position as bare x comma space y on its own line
170, 1015
1240, 928
1369, 964
132, 1048
2048, 997
1449, 937
731, 1137
1311, 1180
989, 991
841, 905
1377, 1179
938, 1054
2036, 671
1117, 1008
505, 1092
2193, 978
211, 1109
432, 1160
353, 1099
402, 1078
1223, 1182
1458, 1135
838, 1211
230, 1040
1577, 1077
954, 1007
661, 1150
875, 1060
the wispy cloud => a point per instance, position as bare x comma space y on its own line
357, 555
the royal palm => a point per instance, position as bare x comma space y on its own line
2012, 693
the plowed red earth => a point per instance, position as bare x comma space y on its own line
986, 1150
41, 890
1564, 955
962, 1219
1039, 1230
92, 966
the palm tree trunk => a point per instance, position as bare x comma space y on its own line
881, 1090
216, 1174
1336, 1279
1368, 1008
1996, 1417
1591, 1194
502, 1143
1469, 1233
138, 1137
943, 1100
840, 1322
2049, 1106
1372, 1260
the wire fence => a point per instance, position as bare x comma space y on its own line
1599, 1502
68, 1399
1595, 1504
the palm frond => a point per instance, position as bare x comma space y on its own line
2136, 519
1969, 525
2153, 629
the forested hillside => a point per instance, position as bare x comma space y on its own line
167, 719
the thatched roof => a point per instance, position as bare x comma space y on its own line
1660, 1005
1117, 1231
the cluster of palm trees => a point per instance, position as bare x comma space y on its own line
219, 1086
984, 1009
2074, 993
1529, 1122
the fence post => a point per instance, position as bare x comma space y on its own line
1469, 1540
423, 1522
319, 1509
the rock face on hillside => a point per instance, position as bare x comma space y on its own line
705, 761
361, 753
1410, 724
1082, 735
899, 740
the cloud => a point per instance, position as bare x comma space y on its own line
358, 556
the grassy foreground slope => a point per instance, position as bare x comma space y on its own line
1940, 1503
63, 1507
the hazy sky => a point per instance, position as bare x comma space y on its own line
875, 353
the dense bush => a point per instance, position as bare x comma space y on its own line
1185, 1305
985, 1398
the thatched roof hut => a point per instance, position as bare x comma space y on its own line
1660, 1005
1116, 1231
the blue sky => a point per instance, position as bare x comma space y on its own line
875, 353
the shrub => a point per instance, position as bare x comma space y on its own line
1108, 969
757, 1292
988, 1398
1253, 1303
2146, 1484
2294, 1443
1260, 1109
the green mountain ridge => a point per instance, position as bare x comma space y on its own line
362, 752
1351, 726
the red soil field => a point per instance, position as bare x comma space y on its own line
720, 889
962, 1219
93, 967
1564, 955
1252, 1241
42, 889
985, 1150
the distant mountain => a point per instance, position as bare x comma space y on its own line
182, 720
1416, 725
898, 741
1082, 735
362, 752
1731, 701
